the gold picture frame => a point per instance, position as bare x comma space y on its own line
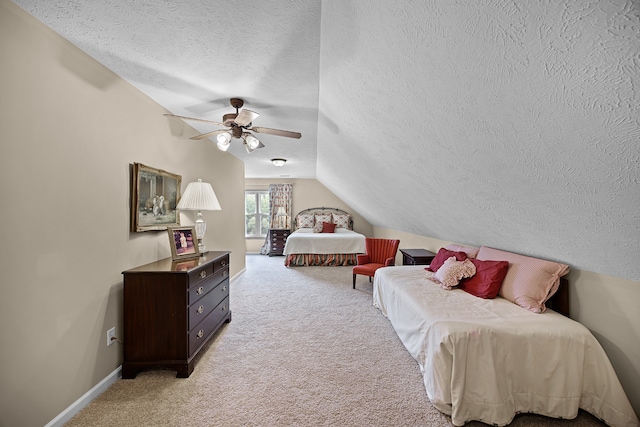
183, 242
154, 196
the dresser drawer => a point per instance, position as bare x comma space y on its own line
199, 274
202, 307
202, 288
200, 334
279, 234
221, 264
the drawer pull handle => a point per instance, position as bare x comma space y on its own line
203, 274
224, 263
200, 309
200, 334
224, 308
200, 290
224, 289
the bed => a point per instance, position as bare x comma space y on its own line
308, 245
488, 359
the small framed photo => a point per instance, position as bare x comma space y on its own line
183, 242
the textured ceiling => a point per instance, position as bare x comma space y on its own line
191, 56
509, 124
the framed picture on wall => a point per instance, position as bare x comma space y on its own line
183, 242
154, 196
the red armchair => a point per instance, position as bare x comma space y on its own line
380, 253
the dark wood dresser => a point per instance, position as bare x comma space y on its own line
277, 239
171, 309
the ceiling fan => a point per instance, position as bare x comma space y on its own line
239, 124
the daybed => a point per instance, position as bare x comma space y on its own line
323, 237
491, 357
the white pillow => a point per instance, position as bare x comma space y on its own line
452, 271
341, 221
306, 221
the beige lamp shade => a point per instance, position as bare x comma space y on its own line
199, 196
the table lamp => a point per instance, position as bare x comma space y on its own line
199, 196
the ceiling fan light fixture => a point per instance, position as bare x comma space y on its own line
252, 141
224, 138
278, 162
223, 146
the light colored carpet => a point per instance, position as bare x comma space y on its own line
303, 349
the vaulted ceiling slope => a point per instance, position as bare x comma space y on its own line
508, 124
513, 125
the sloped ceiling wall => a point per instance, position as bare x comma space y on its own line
507, 124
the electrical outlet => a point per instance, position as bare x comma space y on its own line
111, 336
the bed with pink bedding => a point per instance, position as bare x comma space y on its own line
490, 358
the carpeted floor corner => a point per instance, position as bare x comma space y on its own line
303, 349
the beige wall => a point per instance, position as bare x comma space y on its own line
608, 306
307, 193
69, 130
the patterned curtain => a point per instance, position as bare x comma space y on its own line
280, 196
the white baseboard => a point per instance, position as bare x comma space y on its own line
83, 401
234, 278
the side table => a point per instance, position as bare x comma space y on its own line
277, 240
416, 256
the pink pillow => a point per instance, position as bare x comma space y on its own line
442, 255
488, 279
471, 252
452, 271
328, 227
529, 281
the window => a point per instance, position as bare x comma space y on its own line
256, 213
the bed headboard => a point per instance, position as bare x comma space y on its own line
323, 210
560, 300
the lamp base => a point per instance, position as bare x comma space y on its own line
201, 228
201, 248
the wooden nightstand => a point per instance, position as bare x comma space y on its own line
416, 256
277, 239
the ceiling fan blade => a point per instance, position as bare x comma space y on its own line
208, 134
245, 117
286, 133
193, 118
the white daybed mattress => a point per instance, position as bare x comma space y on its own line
489, 359
342, 241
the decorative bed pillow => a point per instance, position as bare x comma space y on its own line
320, 218
470, 251
306, 221
342, 221
488, 279
442, 255
328, 227
529, 281
452, 271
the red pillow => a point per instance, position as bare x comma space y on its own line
328, 227
488, 279
443, 255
